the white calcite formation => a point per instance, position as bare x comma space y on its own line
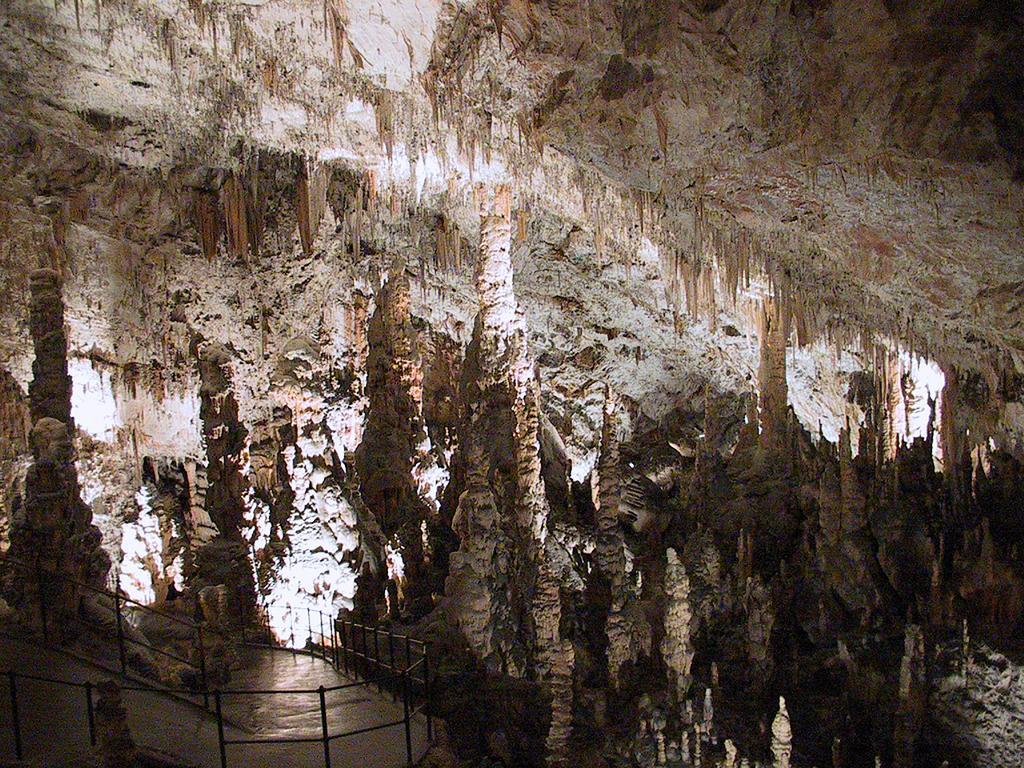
782, 737
469, 296
480, 581
676, 646
316, 571
145, 571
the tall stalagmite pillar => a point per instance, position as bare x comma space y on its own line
394, 429
224, 559
502, 514
479, 582
56, 534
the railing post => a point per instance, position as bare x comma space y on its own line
408, 652
323, 637
42, 603
406, 718
334, 642
323, 727
426, 691
376, 657
309, 631
366, 653
202, 669
391, 658
344, 646
120, 631
89, 714
220, 730
15, 720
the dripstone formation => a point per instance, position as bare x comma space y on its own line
53, 538
660, 364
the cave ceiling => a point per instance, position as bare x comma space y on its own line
860, 161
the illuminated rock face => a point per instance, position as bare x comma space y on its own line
480, 585
472, 298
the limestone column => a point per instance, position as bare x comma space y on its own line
393, 432
56, 534
483, 595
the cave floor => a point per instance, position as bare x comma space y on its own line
54, 724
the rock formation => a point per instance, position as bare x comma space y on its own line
677, 647
55, 538
782, 737
391, 437
115, 745
650, 359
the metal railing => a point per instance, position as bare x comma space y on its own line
125, 611
344, 645
362, 658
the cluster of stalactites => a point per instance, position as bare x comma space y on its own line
233, 212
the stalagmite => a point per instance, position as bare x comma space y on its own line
676, 646
555, 660
225, 559
116, 746
478, 587
782, 737
624, 638
912, 697
56, 534
393, 430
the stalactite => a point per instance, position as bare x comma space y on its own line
243, 223
336, 23
311, 194
207, 216
385, 117
448, 250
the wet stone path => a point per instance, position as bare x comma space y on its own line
55, 727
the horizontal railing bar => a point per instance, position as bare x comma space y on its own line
73, 684
123, 598
368, 729
316, 740
42, 679
413, 640
268, 691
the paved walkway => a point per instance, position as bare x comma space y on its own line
54, 724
